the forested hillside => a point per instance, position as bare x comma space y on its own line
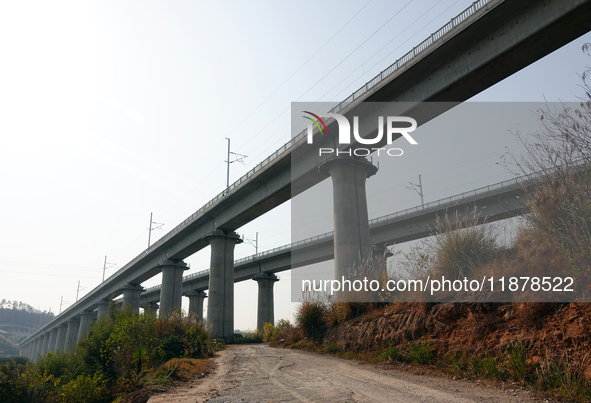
22, 314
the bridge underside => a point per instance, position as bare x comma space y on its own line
396, 230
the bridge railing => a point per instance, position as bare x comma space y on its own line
287, 146
477, 5
513, 183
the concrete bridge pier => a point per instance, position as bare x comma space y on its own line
60, 343
86, 319
220, 309
103, 307
171, 291
31, 348
45, 348
131, 296
72, 334
266, 307
38, 345
52, 340
196, 298
30, 351
151, 308
352, 241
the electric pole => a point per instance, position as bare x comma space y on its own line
149, 231
418, 188
61, 303
105, 267
237, 158
255, 244
158, 225
228, 170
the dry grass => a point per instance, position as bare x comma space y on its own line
185, 369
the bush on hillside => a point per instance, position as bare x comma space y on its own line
112, 360
457, 249
311, 318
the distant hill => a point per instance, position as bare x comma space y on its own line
17, 321
22, 314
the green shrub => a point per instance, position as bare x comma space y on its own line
85, 388
311, 318
420, 353
108, 362
391, 353
60, 365
14, 360
516, 362
269, 331
333, 348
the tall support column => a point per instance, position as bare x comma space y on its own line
103, 306
86, 319
30, 349
151, 308
266, 307
34, 348
60, 343
196, 298
220, 309
40, 344
46, 343
72, 334
52, 339
171, 292
352, 241
131, 297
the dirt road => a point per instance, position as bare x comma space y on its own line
257, 373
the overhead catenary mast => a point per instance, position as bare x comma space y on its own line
153, 225
418, 187
237, 158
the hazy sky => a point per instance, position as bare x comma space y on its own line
111, 110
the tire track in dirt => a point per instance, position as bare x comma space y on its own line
258, 373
